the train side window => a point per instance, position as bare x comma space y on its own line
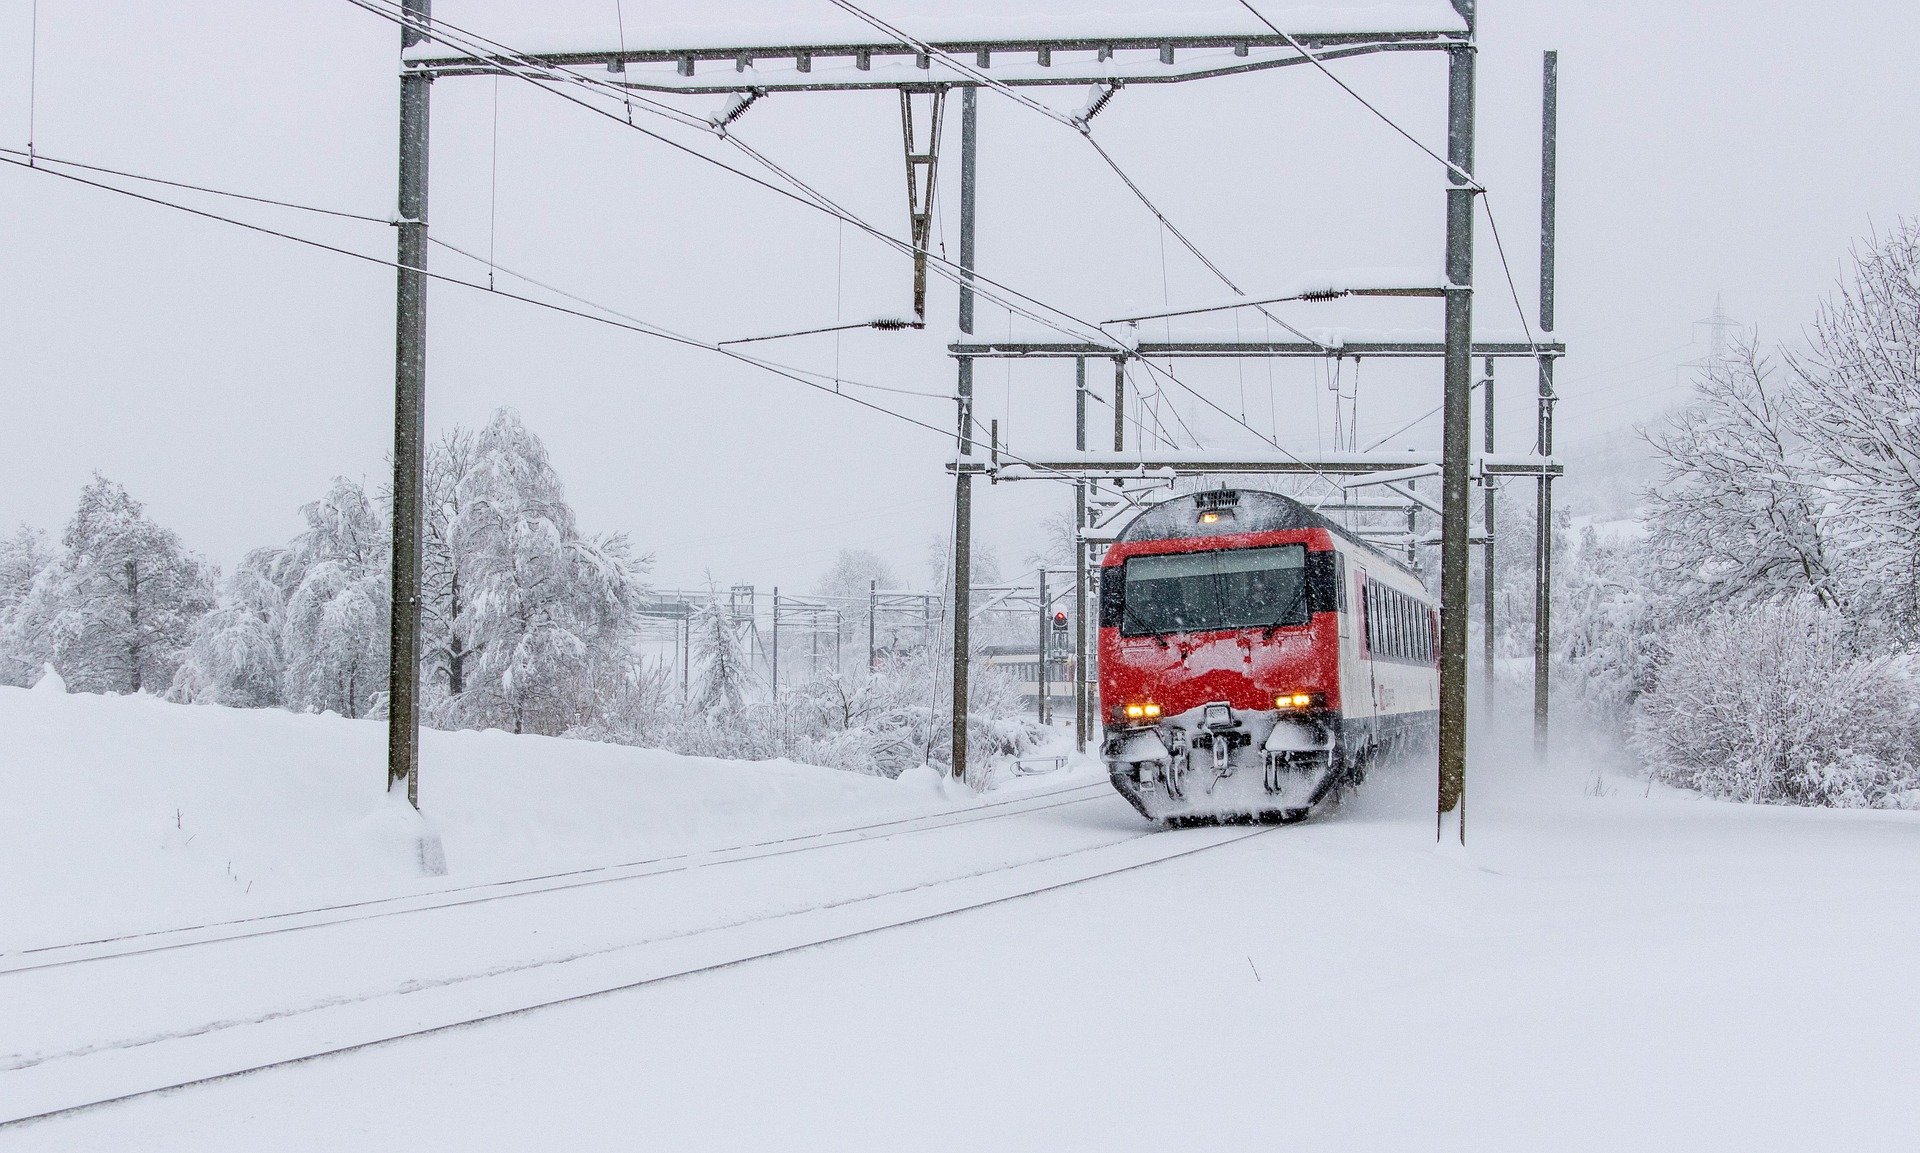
1364, 614
1389, 637
1340, 582
1399, 625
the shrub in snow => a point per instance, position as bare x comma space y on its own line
1770, 704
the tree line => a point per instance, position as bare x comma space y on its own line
529, 624
1760, 639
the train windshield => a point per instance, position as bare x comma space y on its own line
1198, 591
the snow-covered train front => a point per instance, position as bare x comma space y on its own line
1255, 658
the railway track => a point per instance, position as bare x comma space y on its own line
123, 1072
44, 957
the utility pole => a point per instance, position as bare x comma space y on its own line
1040, 674
873, 603
1486, 561
1080, 716
773, 659
963, 482
1457, 434
409, 423
1543, 512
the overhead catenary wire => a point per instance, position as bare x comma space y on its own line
607, 316
523, 64
1466, 177
533, 72
1294, 43
43, 158
1080, 126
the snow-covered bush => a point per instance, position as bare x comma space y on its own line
1769, 703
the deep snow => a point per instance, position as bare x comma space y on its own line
122, 814
1594, 972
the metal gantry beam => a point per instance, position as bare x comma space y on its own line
1249, 349
831, 66
1165, 465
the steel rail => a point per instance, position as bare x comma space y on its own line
136, 944
848, 920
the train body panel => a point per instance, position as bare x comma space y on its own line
1254, 657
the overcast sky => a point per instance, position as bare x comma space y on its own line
1734, 148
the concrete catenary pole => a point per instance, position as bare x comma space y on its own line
1080, 705
963, 482
1457, 434
1486, 558
1040, 674
409, 424
1543, 513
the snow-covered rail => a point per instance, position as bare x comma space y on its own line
121, 1072
271, 924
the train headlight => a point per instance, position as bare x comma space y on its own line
1143, 711
1293, 701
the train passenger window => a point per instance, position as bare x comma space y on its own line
1195, 592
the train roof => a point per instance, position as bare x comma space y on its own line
1254, 510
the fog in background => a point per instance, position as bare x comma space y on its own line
225, 376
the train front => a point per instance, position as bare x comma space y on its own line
1219, 659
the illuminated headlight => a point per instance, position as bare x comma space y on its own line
1142, 712
1293, 701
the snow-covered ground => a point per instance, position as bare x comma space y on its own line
1595, 972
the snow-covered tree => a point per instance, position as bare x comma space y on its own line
853, 576
547, 605
23, 557
1861, 418
723, 675
1738, 518
452, 557
115, 612
235, 658
335, 578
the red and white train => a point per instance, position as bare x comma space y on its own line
1256, 658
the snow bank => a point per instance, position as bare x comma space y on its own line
127, 813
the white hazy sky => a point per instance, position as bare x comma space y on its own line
1707, 148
